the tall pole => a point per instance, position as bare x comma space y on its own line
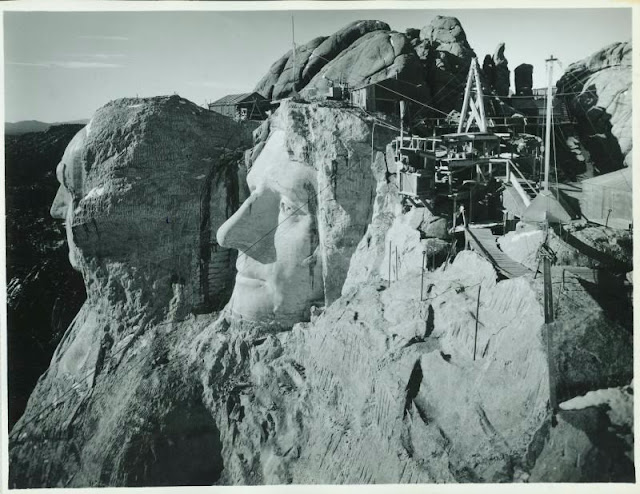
401, 122
547, 140
549, 327
475, 338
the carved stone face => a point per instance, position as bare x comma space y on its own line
276, 231
69, 174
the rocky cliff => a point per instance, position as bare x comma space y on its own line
399, 378
599, 98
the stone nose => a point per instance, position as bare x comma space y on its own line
251, 229
60, 204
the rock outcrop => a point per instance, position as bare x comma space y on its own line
593, 441
310, 58
523, 77
446, 55
403, 376
496, 70
373, 58
602, 105
429, 65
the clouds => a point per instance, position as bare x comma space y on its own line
67, 64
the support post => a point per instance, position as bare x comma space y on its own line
389, 281
606, 223
397, 263
453, 226
475, 338
549, 326
424, 254
548, 295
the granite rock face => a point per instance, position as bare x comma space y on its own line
310, 58
372, 58
602, 105
500, 80
401, 377
446, 55
523, 75
429, 64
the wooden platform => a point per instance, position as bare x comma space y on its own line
484, 242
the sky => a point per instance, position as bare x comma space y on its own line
62, 66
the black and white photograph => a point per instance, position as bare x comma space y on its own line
331, 243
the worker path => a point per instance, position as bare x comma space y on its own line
483, 241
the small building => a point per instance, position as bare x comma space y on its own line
245, 106
608, 198
384, 96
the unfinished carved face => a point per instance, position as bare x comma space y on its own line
279, 268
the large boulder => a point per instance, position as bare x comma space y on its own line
592, 441
446, 55
310, 58
597, 91
523, 76
373, 58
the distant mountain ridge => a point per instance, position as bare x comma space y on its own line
26, 126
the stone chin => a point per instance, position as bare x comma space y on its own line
259, 301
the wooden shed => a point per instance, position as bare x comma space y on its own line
245, 106
384, 96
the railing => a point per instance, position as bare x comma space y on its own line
559, 118
417, 143
512, 174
